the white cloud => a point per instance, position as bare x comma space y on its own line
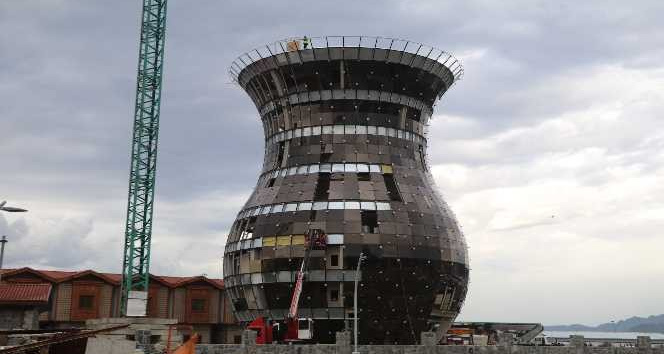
567, 211
559, 114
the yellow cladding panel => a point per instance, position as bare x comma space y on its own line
269, 241
386, 168
283, 240
298, 240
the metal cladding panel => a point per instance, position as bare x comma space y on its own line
345, 152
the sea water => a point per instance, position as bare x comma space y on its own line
617, 335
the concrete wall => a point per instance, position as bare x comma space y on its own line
205, 331
343, 347
105, 345
407, 349
19, 317
11, 318
230, 332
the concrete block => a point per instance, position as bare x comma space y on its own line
343, 338
249, 338
148, 321
428, 338
412, 349
102, 345
644, 344
577, 341
505, 339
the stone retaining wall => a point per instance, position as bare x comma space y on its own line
343, 347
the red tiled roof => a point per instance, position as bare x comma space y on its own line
30, 293
219, 282
58, 276
179, 281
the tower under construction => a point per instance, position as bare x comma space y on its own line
345, 123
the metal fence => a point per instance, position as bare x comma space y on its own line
295, 44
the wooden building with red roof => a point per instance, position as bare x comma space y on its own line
21, 304
76, 296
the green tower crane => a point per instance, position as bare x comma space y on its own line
138, 232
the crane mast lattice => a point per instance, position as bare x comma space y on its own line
138, 231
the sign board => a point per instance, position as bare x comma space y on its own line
137, 303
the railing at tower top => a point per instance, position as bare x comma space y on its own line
305, 43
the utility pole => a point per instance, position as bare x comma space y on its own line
355, 312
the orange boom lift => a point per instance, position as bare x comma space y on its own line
297, 329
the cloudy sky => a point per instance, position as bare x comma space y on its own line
550, 150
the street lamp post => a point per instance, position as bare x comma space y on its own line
2, 252
355, 312
2, 249
8, 209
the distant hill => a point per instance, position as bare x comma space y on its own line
653, 324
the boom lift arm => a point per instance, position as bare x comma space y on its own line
297, 329
315, 239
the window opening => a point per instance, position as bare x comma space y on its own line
248, 232
303, 324
392, 188
334, 295
342, 74
322, 186
363, 176
369, 221
334, 260
422, 159
325, 156
198, 305
280, 155
86, 302
270, 183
